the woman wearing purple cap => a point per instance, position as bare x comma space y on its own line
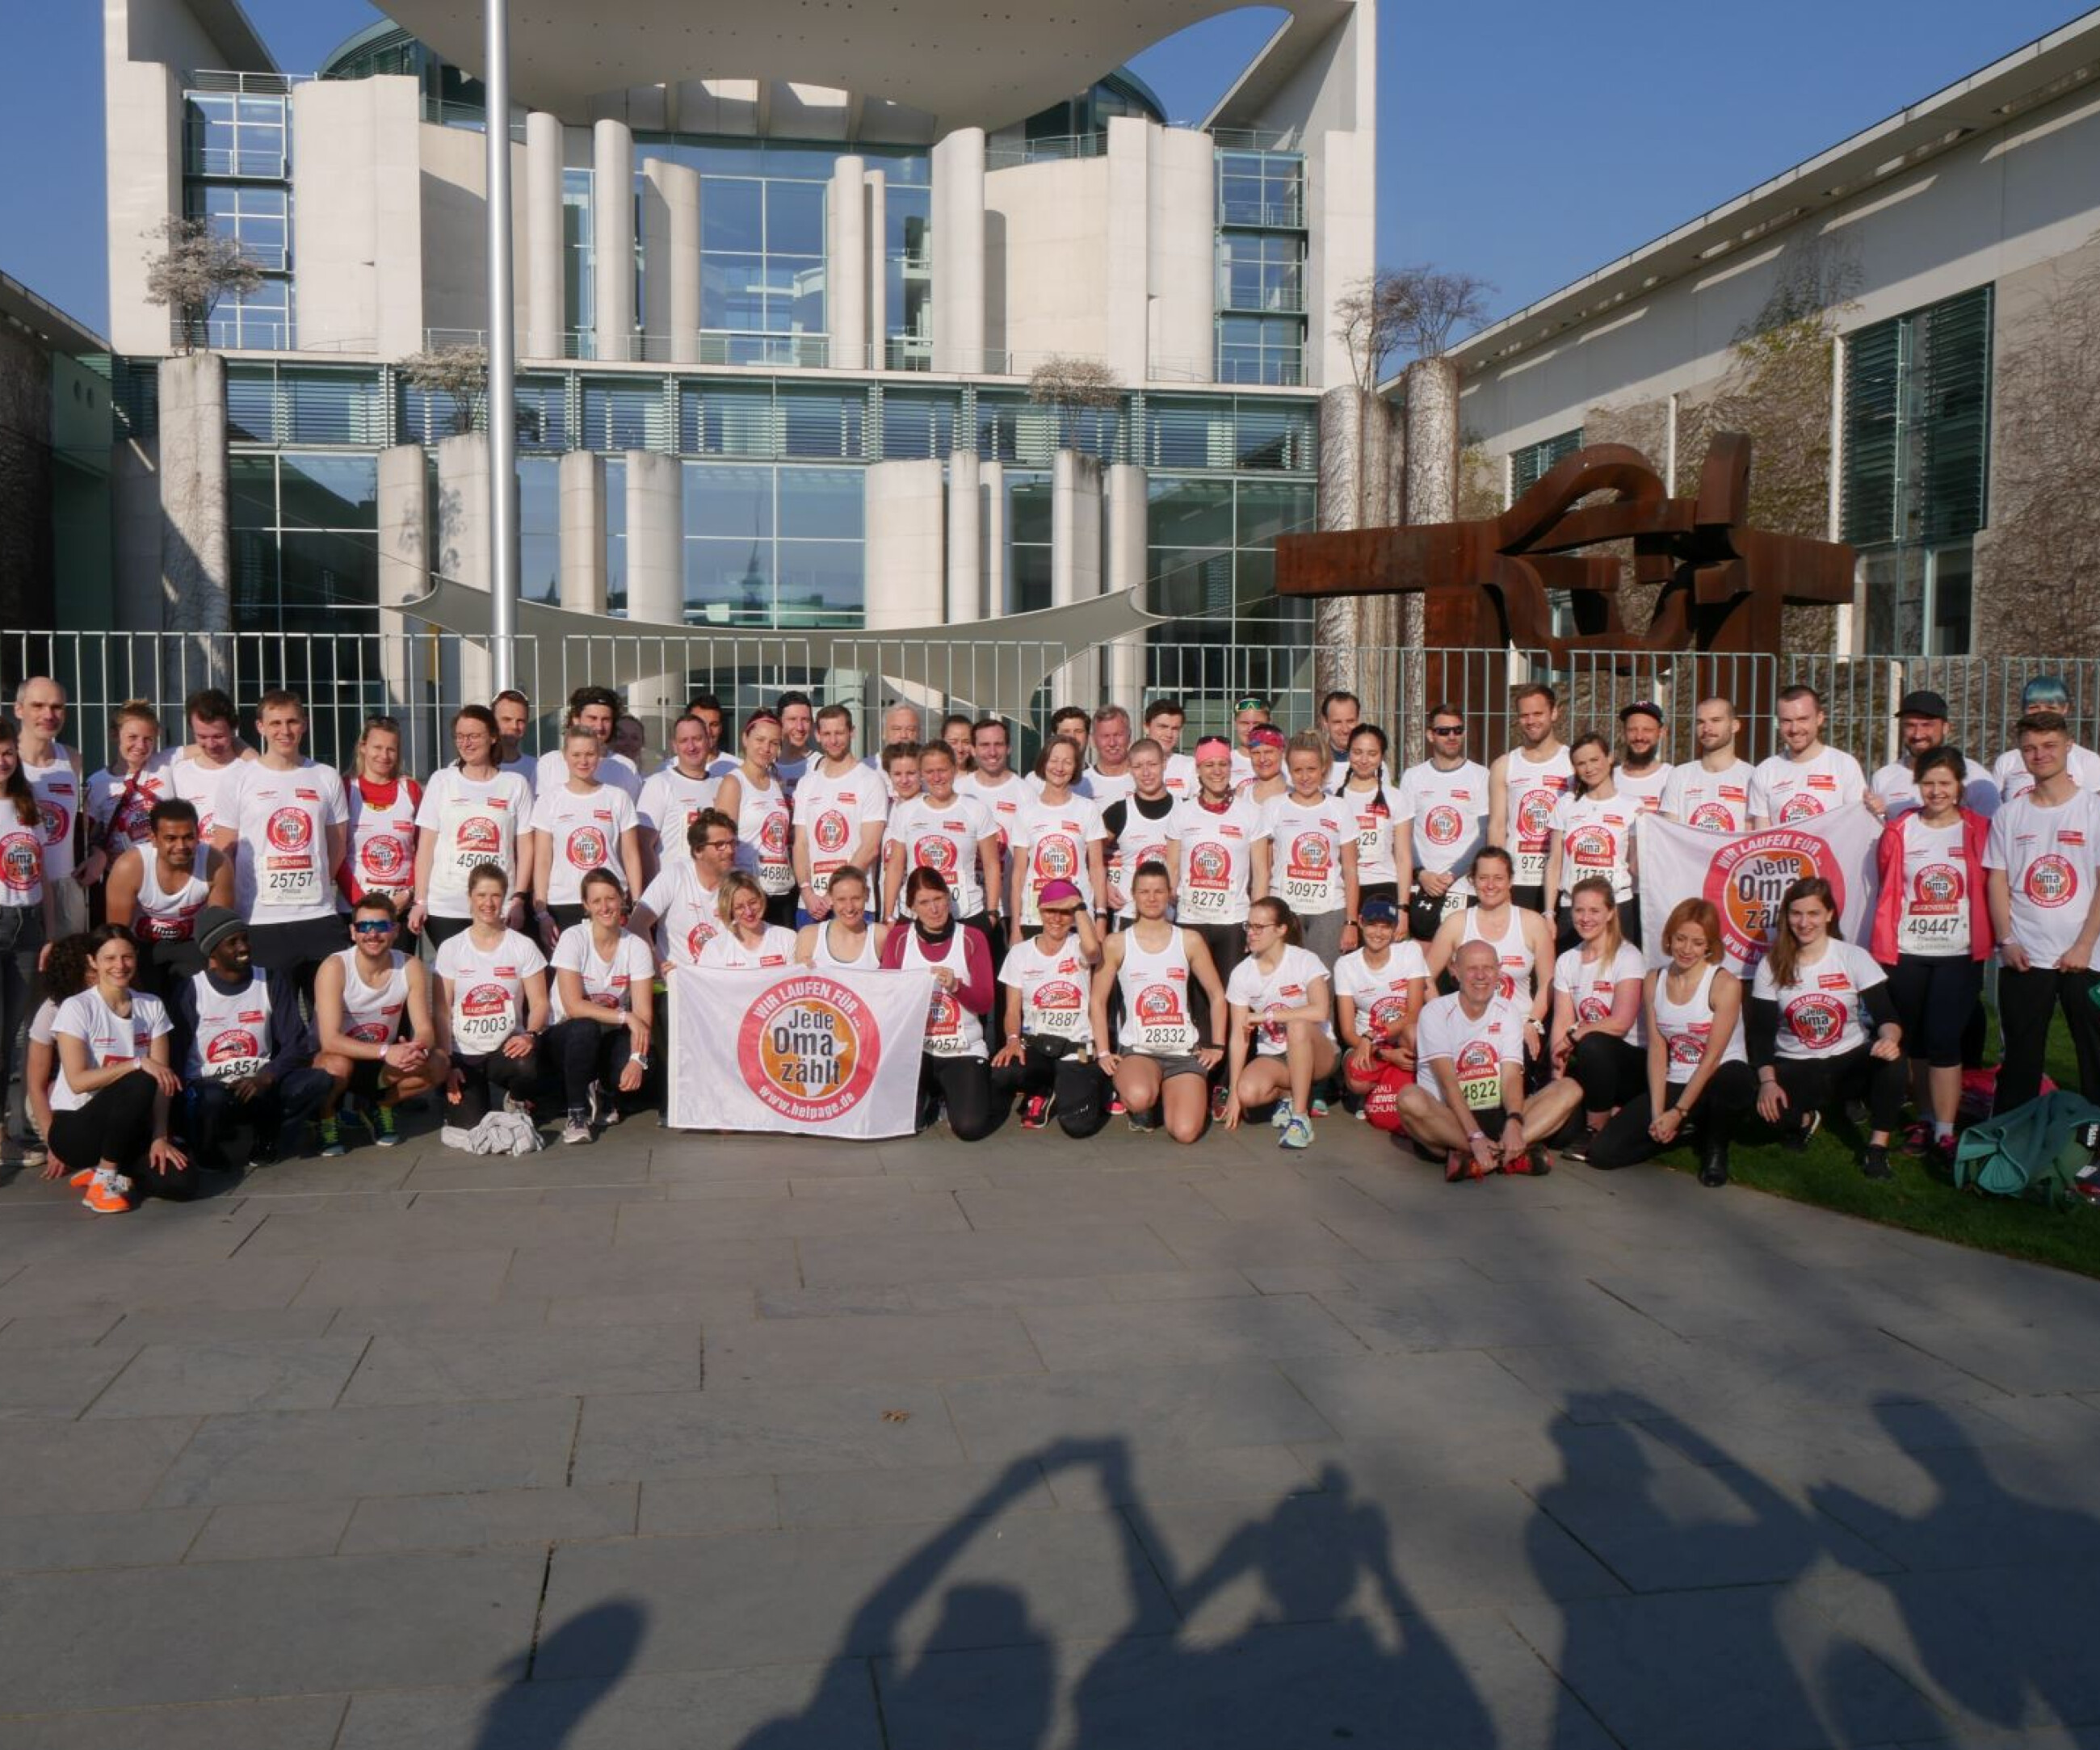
1047, 1058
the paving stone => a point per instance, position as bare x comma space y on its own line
686, 1266
1247, 1245
750, 1218
831, 1302
703, 1307
86, 1466
421, 1229
242, 1281
932, 1495
235, 1373
79, 1328
417, 1619
363, 1281
55, 1383
434, 1318
456, 1367
894, 1346
551, 1169
741, 1430
1104, 1249
1178, 1332
268, 1530
1233, 1404
491, 1516
1260, 1473
340, 1454
207, 1325
276, 1722
703, 1506
99, 1540
1397, 1397
1083, 1197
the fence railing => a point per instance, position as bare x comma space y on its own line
421, 675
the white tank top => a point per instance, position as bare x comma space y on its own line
1511, 949
232, 1036
762, 836
382, 840
868, 957
951, 1030
1685, 1026
374, 1015
1533, 786
162, 916
1156, 1018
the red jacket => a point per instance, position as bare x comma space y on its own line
1888, 902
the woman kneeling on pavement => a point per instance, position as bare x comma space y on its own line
953, 1071
1049, 1056
1808, 1042
1596, 1041
1697, 1070
491, 1006
1281, 999
604, 1001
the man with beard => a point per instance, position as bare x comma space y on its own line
1522, 786
1640, 774
1712, 792
1921, 722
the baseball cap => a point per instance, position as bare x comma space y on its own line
1378, 911
1642, 708
1057, 893
1921, 704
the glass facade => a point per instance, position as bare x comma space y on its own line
1530, 464
1260, 268
304, 529
236, 177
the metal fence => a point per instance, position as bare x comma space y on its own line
421, 675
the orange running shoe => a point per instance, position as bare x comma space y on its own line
105, 1199
82, 1179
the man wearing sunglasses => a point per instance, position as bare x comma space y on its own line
1445, 797
372, 1012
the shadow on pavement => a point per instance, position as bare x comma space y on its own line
528, 1715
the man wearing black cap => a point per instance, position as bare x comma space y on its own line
248, 1058
2045, 692
1921, 722
1640, 774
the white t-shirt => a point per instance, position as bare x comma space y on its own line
552, 773
486, 989
281, 871
1592, 987
1898, 789
1934, 919
1216, 854
1685, 1027
1003, 801
1305, 853
764, 832
1180, 776
1712, 801
724, 953
834, 811
1289, 985
2009, 771
1644, 787
609, 984
1053, 989
1376, 817
475, 821
1784, 789
687, 914
1052, 838
1449, 810
585, 834
1101, 788
1477, 1050
669, 804
1821, 1015
2049, 856
1380, 994
59, 797
945, 837
381, 852
1595, 838
202, 786
110, 1038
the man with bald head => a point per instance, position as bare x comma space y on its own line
53, 770
1468, 1100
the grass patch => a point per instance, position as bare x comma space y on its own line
1828, 1175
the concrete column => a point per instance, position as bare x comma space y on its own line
846, 265
959, 251
545, 319
195, 552
1127, 559
580, 492
135, 504
878, 270
1129, 221
612, 237
404, 573
1341, 222
463, 552
1181, 255
991, 514
655, 573
905, 515
965, 540
671, 260
1075, 558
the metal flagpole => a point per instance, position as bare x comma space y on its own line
502, 358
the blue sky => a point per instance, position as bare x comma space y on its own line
1527, 144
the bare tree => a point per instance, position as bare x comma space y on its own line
195, 268
1074, 385
458, 370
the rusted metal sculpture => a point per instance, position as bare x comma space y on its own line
1721, 585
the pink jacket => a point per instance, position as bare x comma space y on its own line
1888, 903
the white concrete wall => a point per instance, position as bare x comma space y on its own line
454, 202
357, 231
135, 506
965, 557
1075, 557
1180, 254
405, 563
845, 263
1127, 280
463, 547
655, 574
877, 201
1046, 260
1126, 505
959, 213
906, 507
1994, 206
671, 261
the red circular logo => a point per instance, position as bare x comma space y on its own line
809, 1048
1803, 804
1534, 815
1714, 817
1815, 1018
385, 858
1387, 1014
1476, 1057
1443, 824
484, 1000
1593, 847
289, 829
371, 1032
478, 835
831, 831
588, 846
21, 862
1059, 994
934, 851
1158, 1003
1311, 851
1593, 1006
1746, 880
699, 937
773, 835
1687, 1048
1939, 884
1210, 865
1056, 857
2050, 880
233, 1046
57, 822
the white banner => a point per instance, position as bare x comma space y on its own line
1742, 874
811, 1050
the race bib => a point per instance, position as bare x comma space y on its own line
944, 1026
484, 1015
1057, 1007
1161, 1022
776, 873
1478, 1068
233, 1053
1936, 920
1207, 892
287, 868
1308, 872
472, 834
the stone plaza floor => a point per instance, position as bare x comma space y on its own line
698, 1441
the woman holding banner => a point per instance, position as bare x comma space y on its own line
1807, 1040
1048, 1057
1596, 1042
955, 1071
1696, 1064
747, 941
845, 939
1932, 930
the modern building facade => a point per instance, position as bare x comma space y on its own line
1949, 257
781, 288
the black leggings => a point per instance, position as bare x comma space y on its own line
1625, 1140
1935, 996
1608, 1070
1082, 1104
117, 1125
1818, 1084
964, 1085
780, 908
585, 1051
485, 1080
2027, 1002
439, 930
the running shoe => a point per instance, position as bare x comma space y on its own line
1320, 1105
578, 1129
82, 1179
1534, 1163
1297, 1134
1917, 1136
383, 1128
33, 1152
1874, 1163
1035, 1111
1219, 1100
105, 1193
332, 1142
1800, 1135
1117, 1109
1280, 1114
